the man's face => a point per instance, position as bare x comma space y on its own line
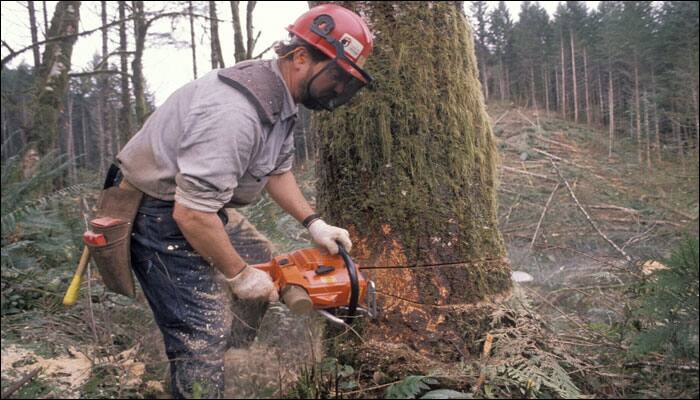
325, 81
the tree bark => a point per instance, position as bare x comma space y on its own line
193, 45
647, 129
657, 139
410, 169
601, 113
250, 29
137, 63
563, 76
574, 83
557, 88
611, 110
46, 20
33, 30
637, 112
125, 111
532, 86
585, 86
217, 60
51, 84
70, 139
105, 141
545, 72
239, 51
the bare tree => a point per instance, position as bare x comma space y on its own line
244, 51
192, 42
32, 28
217, 59
125, 111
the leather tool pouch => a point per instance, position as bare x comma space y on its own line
113, 223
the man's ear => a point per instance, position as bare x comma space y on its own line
301, 56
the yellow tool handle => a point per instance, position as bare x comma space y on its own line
72, 293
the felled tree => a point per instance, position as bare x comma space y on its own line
410, 168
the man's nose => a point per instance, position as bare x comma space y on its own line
339, 88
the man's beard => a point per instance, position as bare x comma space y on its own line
312, 102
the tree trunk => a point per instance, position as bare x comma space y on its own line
611, 110
637, 111
657, 139
70, 140
585, 85
239, 51
646, 130
484, 79
601, 116
33, 30
410, 169
46, 20
249, 29
557, 88
137, 63
105, 142
697, 120
546, 88
51, 84
193, 45
574, 83
532, 86
217, 59
501, 80
563, 76
125, 111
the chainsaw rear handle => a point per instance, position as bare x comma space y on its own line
354, 283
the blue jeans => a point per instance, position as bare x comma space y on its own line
190, 300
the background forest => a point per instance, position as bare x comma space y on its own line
609, 92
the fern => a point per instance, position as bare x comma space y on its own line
669, 306
410, 387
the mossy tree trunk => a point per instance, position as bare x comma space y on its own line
51, 84
410, 169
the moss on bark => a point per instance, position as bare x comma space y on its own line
410, 165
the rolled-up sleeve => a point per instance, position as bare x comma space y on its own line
213, 154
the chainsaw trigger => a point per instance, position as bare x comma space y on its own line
324, 269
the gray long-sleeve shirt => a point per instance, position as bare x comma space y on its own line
206, 147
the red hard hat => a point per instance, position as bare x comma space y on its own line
330, 27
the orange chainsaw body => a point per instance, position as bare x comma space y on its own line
324, 277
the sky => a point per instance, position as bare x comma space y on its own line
166, 66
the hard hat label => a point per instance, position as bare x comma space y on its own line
352, 46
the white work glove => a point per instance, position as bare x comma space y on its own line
253, 284
325, 235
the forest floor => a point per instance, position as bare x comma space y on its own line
574, 251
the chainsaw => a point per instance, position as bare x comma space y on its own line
309, 279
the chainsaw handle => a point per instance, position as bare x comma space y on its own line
354, 283
296, 299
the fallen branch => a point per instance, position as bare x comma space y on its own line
681, 213
588, 217
527, 119
500, 118
684, 368
556, 143
519, 171
15, 386
612, 207
546, 207
484, 357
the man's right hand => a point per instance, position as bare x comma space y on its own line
253, 284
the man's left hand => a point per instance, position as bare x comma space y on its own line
325, 235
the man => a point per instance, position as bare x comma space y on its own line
216, 143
